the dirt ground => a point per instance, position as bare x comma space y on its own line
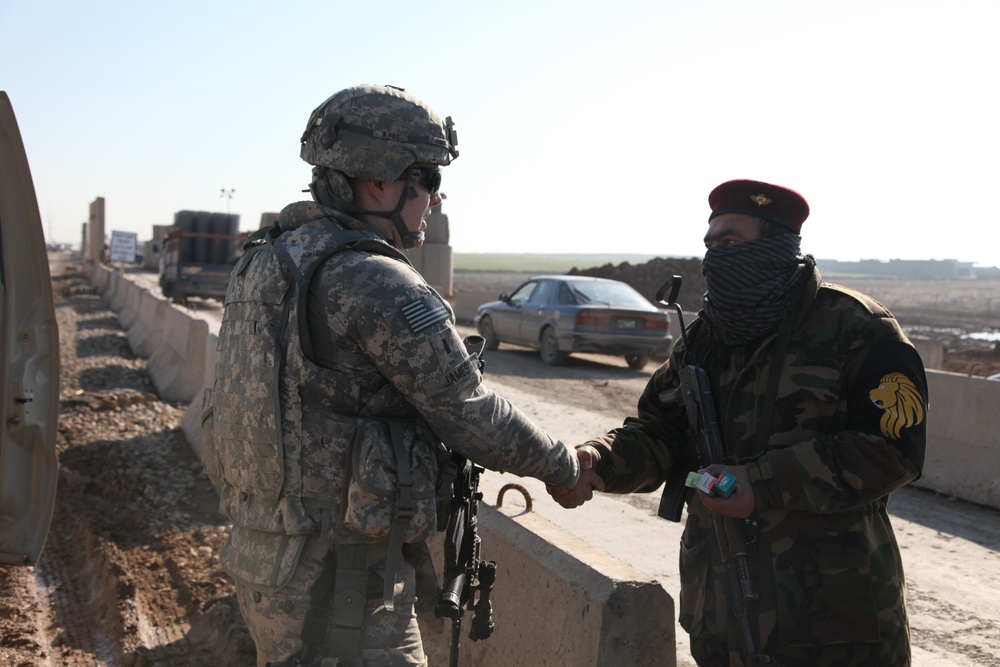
129, 576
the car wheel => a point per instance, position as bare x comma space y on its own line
487, 332
551, 354
637, 361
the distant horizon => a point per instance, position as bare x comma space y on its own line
649, 256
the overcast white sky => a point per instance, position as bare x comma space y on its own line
584, 126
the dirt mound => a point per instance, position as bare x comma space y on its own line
951, 320
648, 278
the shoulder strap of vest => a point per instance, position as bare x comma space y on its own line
345, 239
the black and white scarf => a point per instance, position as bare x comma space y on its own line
752, 286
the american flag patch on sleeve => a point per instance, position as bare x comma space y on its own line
424, 312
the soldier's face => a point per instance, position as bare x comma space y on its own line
418, 207
730, 229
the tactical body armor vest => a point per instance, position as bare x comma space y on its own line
302, 448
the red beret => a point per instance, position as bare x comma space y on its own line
760, 200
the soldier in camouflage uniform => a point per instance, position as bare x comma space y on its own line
821, 403
341, 384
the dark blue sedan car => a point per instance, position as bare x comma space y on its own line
559, 315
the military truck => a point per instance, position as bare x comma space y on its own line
198, 254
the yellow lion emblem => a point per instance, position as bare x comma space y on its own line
902, 403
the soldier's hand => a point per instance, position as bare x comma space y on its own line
588, 481
741, 504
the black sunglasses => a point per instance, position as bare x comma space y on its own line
429, 177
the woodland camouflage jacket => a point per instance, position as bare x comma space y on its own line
848, 428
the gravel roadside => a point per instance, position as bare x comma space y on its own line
128, 576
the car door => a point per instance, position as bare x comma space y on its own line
507, 318
29, 345
535, 312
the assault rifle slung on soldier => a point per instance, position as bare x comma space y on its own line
468, 580
706, 448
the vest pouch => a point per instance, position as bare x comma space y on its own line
393, 475
260, 560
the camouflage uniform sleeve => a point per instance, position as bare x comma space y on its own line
638, 455
407, 330
881, 447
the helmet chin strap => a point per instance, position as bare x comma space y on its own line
408, 239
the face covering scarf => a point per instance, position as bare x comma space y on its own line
752, 286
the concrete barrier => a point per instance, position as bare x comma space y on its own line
110, 292
963, 438
177, 366
558, 601
119, 287
146, 332
100, 277
931, 351
465, 303
434, 262
191, 422
131, 296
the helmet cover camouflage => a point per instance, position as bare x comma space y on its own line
376, 132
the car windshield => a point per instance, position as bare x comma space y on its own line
610, 293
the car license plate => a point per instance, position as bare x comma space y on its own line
625, 323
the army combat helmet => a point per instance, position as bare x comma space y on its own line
378, 132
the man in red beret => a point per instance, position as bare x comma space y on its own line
820, 404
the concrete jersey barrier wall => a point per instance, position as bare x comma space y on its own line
132, 296
146, 333
177, 366
557, 601
963, 438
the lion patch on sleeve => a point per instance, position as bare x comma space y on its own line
901, 403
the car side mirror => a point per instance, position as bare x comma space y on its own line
505, 297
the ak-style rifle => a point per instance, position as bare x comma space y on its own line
706, 448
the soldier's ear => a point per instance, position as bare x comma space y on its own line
374, 192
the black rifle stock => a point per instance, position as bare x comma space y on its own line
468, 580
707, 448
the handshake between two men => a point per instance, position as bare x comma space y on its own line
739, 505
